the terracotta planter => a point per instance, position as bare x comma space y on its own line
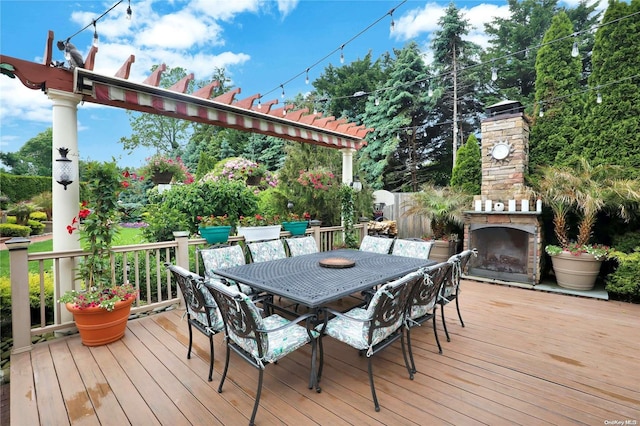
576, 272
98, 326
258, 233
442, 250
295, 228
162, 177
215, 234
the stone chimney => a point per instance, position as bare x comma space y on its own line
505, 152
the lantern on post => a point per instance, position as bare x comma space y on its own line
63, 171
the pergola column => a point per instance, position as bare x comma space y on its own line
347, 165
65, 202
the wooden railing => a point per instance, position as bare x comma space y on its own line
142, 265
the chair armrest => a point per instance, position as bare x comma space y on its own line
340, 314
290, 323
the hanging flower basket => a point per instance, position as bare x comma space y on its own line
215, 234
295, 228
160, 178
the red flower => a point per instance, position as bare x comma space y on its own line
125, 184
70, 228
83, 213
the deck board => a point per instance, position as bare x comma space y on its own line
525, 357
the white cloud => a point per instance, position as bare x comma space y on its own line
286, 6
224, 10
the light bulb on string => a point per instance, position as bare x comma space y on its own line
306, 79
129, 11
494, 74
574, 50
259, 104
377, 101
95, 34
342, 54
541, 114
599, 97
393, 24
282, 95
430, 92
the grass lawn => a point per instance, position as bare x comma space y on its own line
126, 236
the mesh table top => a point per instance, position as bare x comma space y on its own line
303, 280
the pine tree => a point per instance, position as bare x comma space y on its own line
467, 173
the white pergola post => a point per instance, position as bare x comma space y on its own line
65, 202
347, 165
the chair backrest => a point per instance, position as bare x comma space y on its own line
242, 320
387, 308
425, 293
220, 258
199, 303
412, 248
265, 251
376, 244
465, 256
301, 245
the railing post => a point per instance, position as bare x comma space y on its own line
316, 235
20, 312
182, 252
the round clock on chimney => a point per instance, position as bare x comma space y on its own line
501, 151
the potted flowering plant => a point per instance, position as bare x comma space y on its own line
583, 190
296, 224
163, 170
214, 229
101, 308
258, 227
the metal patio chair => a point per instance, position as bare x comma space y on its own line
412, 248
422, 304
264, 251
260, 341
372, 329
451, 287
376, 244
224, 256
301, 245
202, 312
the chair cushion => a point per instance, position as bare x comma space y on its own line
283, 342
267, 250
419, 249
303, 245
220, 258
376, 244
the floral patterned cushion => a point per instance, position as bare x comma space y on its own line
224, 257
376, 244
267, 250
419, 249
302, 245
214, 314
353, 327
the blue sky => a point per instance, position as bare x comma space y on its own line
261, 44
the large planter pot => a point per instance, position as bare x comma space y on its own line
576, 272
257, 233
215, 234
442, 250
162, 177
98, 326
295, 228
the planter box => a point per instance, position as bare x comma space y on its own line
215, 234
258, 233
162, 177
442, 250
295, 228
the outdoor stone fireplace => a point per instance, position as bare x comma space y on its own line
504, 224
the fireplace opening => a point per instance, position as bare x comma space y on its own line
504, 252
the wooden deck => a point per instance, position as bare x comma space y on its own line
525, 357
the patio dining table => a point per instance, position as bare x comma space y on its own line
304, 281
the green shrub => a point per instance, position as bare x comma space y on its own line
12, 219
34, 293
21, 211
36, 226
625, 280
162, 220
39, 216
627, 242
13, 230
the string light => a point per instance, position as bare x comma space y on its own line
259, 104
599, 98
494, 74
129, 12
393, 24
306, 79
574, 50
95, 34
430, 92
541, 111
282, 87
342, 54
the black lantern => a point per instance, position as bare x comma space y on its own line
356, 185
63, 169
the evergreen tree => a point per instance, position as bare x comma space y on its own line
458, 83
397, 149
266, 150
610, 133
557, 82
33, 158
467, 173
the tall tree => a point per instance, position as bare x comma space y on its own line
557, 83
33, 158
455, 61
165, 134
398, 112
610, 131
467, 173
